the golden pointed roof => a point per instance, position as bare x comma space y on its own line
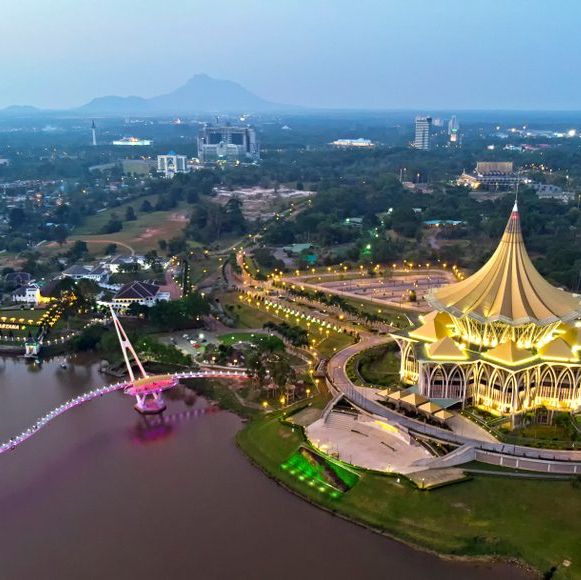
433, 326
443, 415
571, 334
509, 353
430, 407
445, 349
508, 288
557, 349
414, 399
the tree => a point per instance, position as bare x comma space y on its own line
280, 370
146, 206
88, 288
110, 249
16, 218
78, 250
130, 214
113, 226
60, 234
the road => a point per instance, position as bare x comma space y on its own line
89, 240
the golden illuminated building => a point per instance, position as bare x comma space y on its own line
503, 339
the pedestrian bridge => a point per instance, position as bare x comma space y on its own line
148, 385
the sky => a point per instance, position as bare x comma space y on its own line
365, 54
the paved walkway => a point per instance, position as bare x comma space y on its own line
363, 442
467, 428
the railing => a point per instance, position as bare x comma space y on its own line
66, 406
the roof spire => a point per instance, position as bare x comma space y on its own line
515, 207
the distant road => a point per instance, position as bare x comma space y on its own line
100, 241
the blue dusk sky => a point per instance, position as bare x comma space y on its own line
393, 54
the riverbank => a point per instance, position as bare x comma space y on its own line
477, 519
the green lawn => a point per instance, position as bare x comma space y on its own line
334, 343
535, 520
141, 234
235, 337
25, 313
246, 317
379, 366
94, 223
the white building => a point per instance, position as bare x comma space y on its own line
453, 129
142, 293
171, 164
29, 294
133, 142
547, 191
422, 135
114, 263
355, 143
228, 143
78, 272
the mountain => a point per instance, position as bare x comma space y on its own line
200, 94
113, 104
19, 110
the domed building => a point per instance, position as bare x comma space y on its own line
503, 339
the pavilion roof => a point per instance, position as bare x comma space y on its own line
558, 349
443, 415
509, 353
433, 327
430, 407
414, 399
445, 348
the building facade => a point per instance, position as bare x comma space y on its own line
453, 129
228, 143
143, 293
422, 139
170, 164
492, 176
503, 339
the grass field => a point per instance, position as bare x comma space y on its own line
484, 516
379, 366
25, 313
235, 337
248, 317
142, 234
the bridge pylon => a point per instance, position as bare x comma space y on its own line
147, 391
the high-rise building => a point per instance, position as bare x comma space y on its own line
422, 138
171, 164
453, 129
227, 143
94, 133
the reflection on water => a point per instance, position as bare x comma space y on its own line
102, 492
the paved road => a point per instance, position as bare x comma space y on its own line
90, 240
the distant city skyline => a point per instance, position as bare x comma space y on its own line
377, 54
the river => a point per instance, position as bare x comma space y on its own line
103, 493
